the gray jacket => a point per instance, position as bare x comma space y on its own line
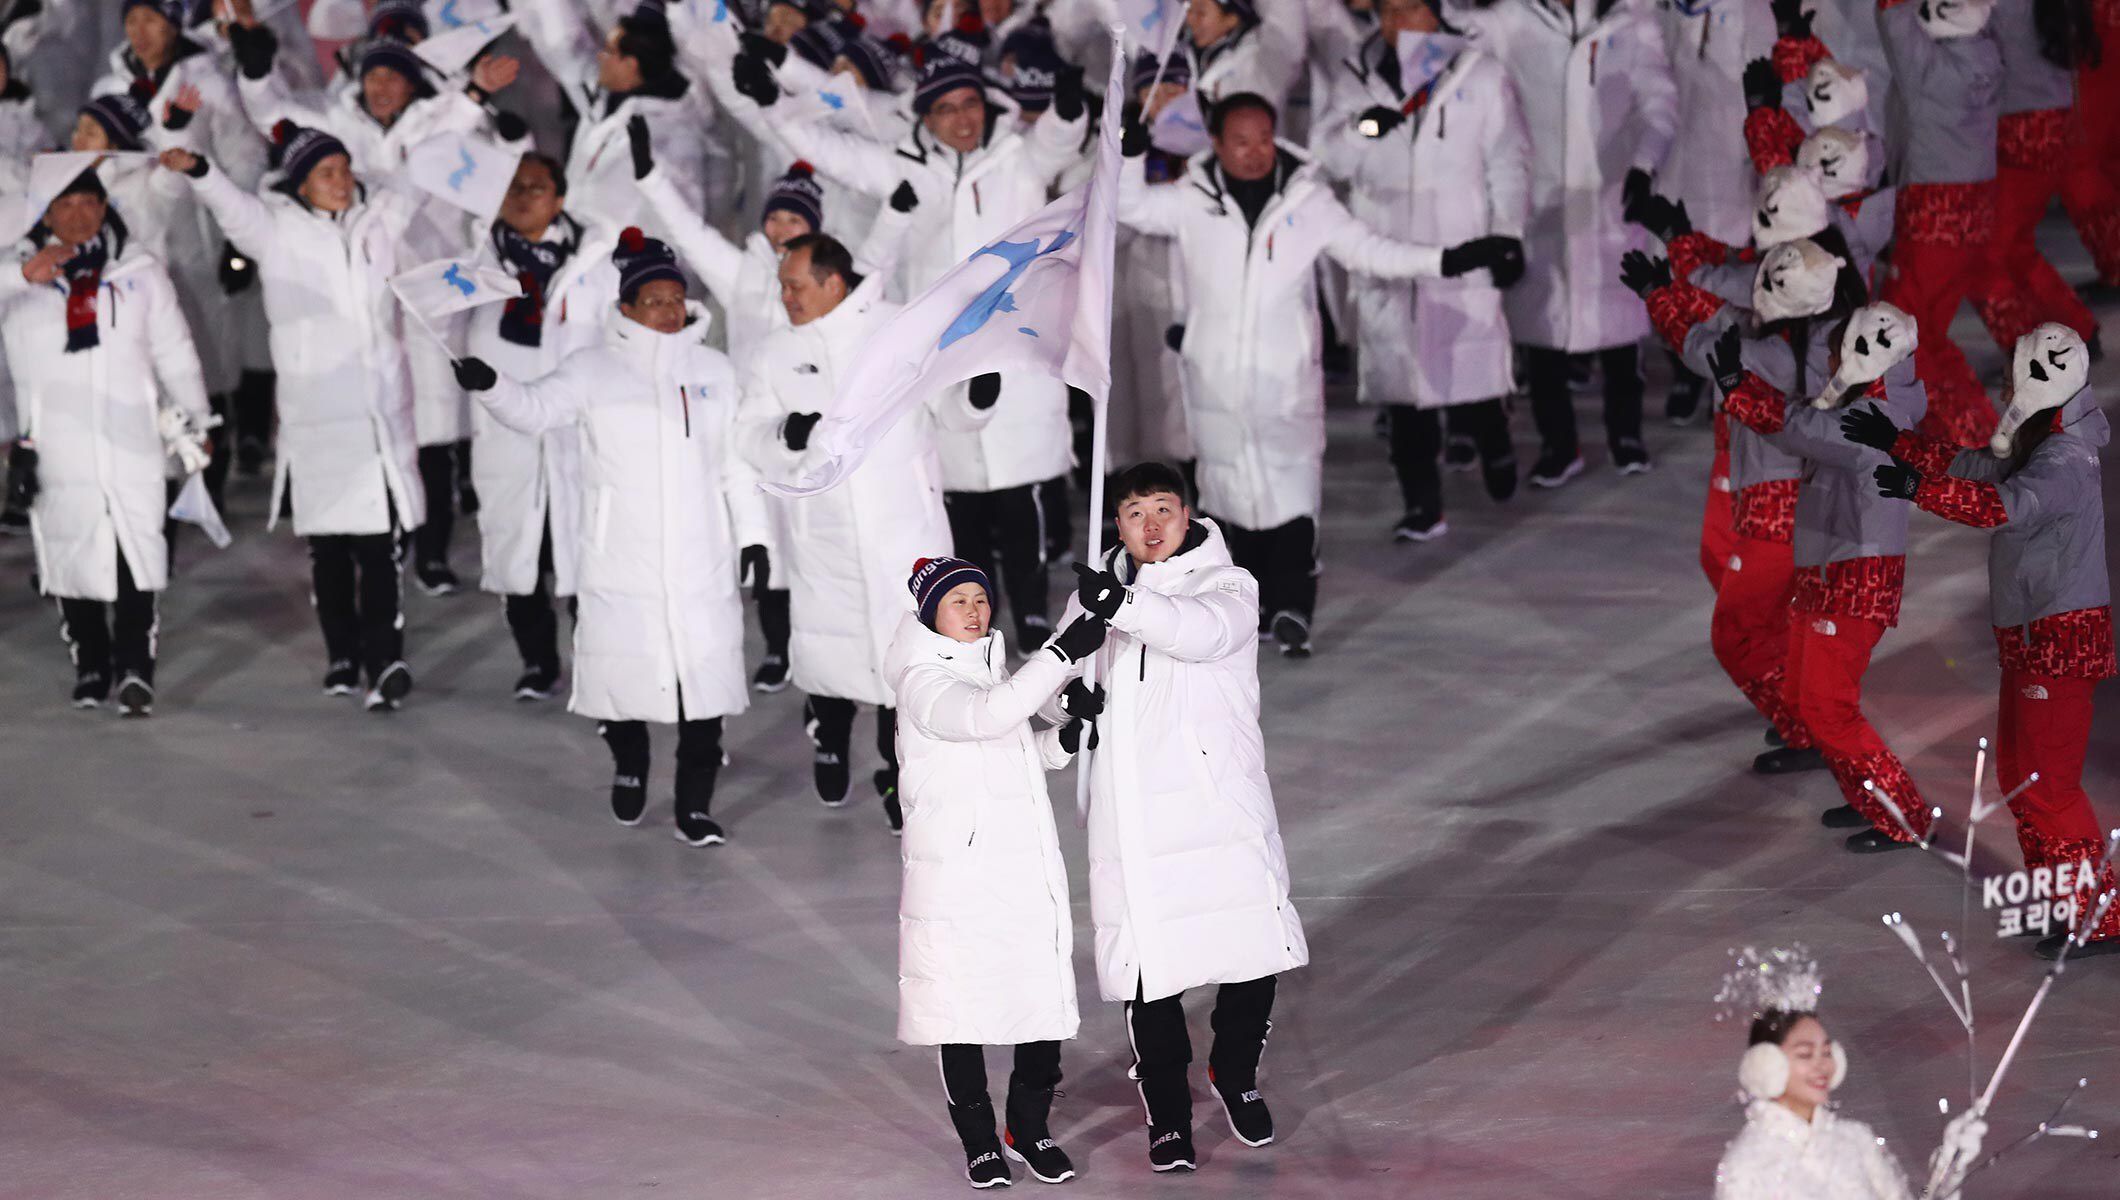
1839, 514
1948, 95
2049, 557
2030, 81
1754, 457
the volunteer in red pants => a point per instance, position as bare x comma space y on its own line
2037, 487
1718, 533
1749, 630
1947, 72
2021, 289
2091, 192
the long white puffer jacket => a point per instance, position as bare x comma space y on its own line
986, 938
666, 505
1188, 883
1709, 42
93, 416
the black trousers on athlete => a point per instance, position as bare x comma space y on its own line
357, 591
109, 639
1163, 1050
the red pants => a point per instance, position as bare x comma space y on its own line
1718, 532
1750, 630
1939, 258
2045, 726
2021, 289
1827, 658
2092, 192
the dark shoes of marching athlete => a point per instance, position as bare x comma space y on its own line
984, 1164
392, 685
1249, 1120
1292, 630
342, 678
136, 698
537, 683
1843, 817
1171, 1150
91, 689
1876, 841
1029, 1136
772, 674
1789, 760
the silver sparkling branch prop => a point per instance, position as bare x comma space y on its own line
2075, 941
2047, 1128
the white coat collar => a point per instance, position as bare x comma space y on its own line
914, 645
1775, 1118
1204, 174
1211, 552
636, 341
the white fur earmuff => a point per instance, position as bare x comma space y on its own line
1763, 1072
1840, 1068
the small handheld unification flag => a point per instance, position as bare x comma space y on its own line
444, 15
446, 286
1178, 128
1153, 24
469, 172
194, 505
450, 53
838, 100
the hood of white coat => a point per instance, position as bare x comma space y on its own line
914, 644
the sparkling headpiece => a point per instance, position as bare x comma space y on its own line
1780, 979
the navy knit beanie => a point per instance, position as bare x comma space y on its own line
641, 260
933, 578
797, 192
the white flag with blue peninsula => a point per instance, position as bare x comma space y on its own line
445, 15
446, 286
469, 172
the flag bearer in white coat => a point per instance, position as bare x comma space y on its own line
348, 461
91, 327
530, 486
1188, 884
1437, 156
1598, 100
986, 937
667, 504
1249, 223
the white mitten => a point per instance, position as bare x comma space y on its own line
1955, 1155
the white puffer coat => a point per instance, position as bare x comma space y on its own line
527, 484
220, 127
1254, 381
1188, 884
1709, 42
666, 506
93, 414
1457, 170
1598, 101
986, 937
966, 202
347, 446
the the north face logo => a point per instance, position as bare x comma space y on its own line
2035, 691
1736, 563
1824, 627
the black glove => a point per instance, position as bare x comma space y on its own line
1067, 93
1099, 591
758, 45
795, 431
1643, 274
1071, 736
255, 46
509, 127
903, 198
1081, 701
21, 477
177, 120
1897, 481
199, 166
1662, 216
754, 567
1727, 361
641, 144
1506, 270
1133, 137
237, 270
1378, 120
1868, 426
1174, 337
473, 375
1490, 251
1080, 640
1635, 188
754, 79
1762, 84
1790, 20
985, 390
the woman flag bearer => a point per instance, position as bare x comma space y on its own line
1188, 882
986, 940
2037, 487
666, 506
91, 327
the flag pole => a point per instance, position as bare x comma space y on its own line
1099, 403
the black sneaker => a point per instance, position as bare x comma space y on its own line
629, 798
1843, 817
699, 829
135, 697
91, 689
1876, 841
1292, 630
436, 579
1171, 1150
1420, 527
1774, 738
343, 678
1044, 1158
985, 1167
1460, 453
829, 772
772, 674
1682, 404
391, 688
13, 520
1630, 457
893, 813
537, 683
250, 457
1788, 761
1248, 1118
1500, 478
1552, 470
1029, 1137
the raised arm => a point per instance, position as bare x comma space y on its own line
242, 216
1206, 627
1158, 209
867, 166
957, 711
716, 258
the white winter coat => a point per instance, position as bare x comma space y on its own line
1254, 382
22, 135
666, 506
1457, 171
1709, 42
849, 550
348, 451
528, 484
1598, 101
222, 128
1188, 884
986, 937
966, 202
1266, 59
93, 415
1779, 1156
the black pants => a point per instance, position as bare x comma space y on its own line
1284, 560
1553, 408
1417, 439
698, 757
125, 642
1059, 510
355, 586
773, 617
253, 408
834, 731
1005, 528
964, 1070
430, 542
1163, 1050
531, 618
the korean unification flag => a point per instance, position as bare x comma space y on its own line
446, 286
469, 172
1037, 300
444, 15
839, 101
1152, 24
1179, 128
452, 52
